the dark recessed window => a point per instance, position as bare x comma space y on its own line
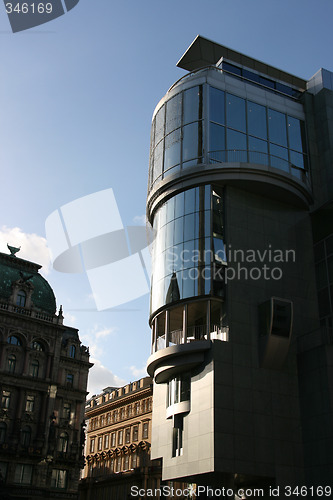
72, 351
23, 474
26, 436
36, 346
3, 431
34, 368
63, 442
69, 379
5, 399
11, 363
21, 298
14, 340
30, 403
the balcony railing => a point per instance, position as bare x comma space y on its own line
193, 333
31, 313
269, 160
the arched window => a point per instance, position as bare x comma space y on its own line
72, 350
26, 436
11, 363
36, 346
21, 298
3, 431
63, 442
14, 340
34, 368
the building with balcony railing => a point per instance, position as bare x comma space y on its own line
44, 369
240, 199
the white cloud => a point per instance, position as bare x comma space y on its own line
105, 332
33, 246
138, 372
101, 377
140, 219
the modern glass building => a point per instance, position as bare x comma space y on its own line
239, 196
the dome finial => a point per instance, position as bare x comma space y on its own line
13, 250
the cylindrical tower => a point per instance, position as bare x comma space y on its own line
229, 171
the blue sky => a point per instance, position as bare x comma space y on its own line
77, 95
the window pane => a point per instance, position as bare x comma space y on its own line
159, 124
279, 157
216, 142
189, 201
191, 147
216, 105
256, 120
191, 105
236, 145
277, 127
172, 149
296, 134
236, 113
158, 160
179, 205
297, 159
173, 113
260, 150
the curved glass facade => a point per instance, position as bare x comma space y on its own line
203, 124
188, 248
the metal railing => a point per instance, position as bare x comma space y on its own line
193, 333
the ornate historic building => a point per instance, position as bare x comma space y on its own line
44, 369
118, 444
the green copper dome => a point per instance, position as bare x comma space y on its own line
13, 269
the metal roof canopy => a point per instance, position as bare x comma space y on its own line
203, 52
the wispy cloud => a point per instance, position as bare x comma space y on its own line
138, 372
105, 332
101, 377
140, 219
33, 246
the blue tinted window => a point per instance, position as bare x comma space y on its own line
233, 69
189, 201
258, 150
277, 127
173, 113
295, 134
251, 76
190, 142
170, 209
236, 142
297, 159
179, 204
216, 141
172, 149
188, 283
266, 82
191, 105
189, 227
279, 157
236, 112
216, 105
256, 120
178, 237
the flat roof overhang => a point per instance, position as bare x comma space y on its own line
203, 52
